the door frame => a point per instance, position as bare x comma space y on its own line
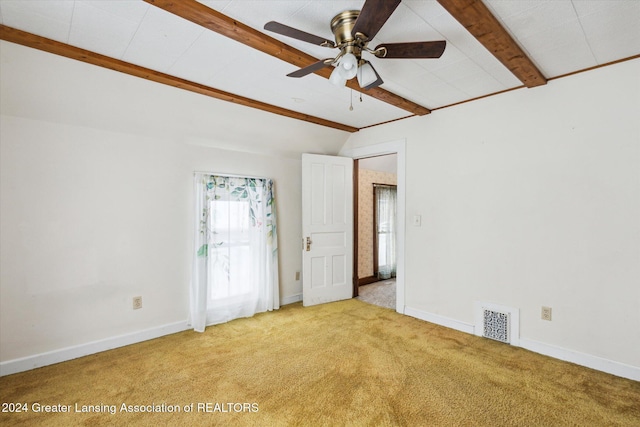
397, 147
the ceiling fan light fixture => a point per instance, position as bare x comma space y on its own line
366, 75
336, 77
348, 66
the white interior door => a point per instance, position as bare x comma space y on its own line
327, 228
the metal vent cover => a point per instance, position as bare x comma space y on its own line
496, 325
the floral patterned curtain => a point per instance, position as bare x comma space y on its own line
235, 271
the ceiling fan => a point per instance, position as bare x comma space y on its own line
353, 30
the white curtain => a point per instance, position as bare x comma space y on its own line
235, 269
386, 230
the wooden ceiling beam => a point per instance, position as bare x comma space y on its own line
213, 20
31, 40
480, 22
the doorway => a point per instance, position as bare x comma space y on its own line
375, 238
399, 148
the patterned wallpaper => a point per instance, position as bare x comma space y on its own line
366, 180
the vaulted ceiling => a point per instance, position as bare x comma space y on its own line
219, 48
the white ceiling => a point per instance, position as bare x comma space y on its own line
560, 37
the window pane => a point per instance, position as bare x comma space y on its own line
230, 260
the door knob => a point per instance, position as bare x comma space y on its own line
308, 244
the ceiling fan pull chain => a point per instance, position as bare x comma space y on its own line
351, 105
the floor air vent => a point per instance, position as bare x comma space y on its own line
496, 325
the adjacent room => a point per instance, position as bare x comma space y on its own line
377, 227
230, 212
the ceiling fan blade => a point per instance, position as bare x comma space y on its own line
411, 50
285, 30
311, 68
373, 15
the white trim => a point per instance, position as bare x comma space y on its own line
64, 354
587, 360
291, 299
398, 147
514, 314
594, 362
440, 320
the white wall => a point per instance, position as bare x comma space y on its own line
91, 219
43, 86
531, 198
97, 192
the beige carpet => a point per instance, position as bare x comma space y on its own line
345, 363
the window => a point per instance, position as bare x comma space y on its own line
236, 263
385, 201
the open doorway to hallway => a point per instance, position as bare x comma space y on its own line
375, 230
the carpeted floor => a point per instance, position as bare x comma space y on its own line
382, 293
344, 363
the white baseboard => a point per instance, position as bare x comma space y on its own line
291, 299
439, 320
56, 356
594, 362
587, 360
69, 353
49, 358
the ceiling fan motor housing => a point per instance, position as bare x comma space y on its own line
342, 26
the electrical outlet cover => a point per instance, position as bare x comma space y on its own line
546, 313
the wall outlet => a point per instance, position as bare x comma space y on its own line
137, 303
297, 275
546, 313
